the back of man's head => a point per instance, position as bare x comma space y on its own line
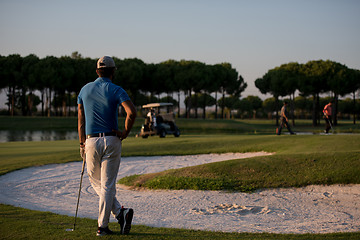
105, 67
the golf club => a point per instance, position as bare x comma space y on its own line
332, 130
78, 200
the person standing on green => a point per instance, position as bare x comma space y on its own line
284, 120
328, 116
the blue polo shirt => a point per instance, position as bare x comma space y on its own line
101, 100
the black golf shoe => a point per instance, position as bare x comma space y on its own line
103, 231
124, 219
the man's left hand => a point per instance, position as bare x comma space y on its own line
120, 134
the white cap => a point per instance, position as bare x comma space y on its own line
105, 62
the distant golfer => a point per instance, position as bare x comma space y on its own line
152, 116
100, 141
328, 116
284, 120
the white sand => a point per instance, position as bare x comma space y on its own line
312, 209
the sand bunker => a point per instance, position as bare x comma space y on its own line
232, 209
312, 209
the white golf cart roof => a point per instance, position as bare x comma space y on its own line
152, 105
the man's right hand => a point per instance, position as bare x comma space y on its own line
82, 152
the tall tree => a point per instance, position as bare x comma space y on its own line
231, 84
255, 104
303, 106
229, 103
48, 77
185, 79
29, 83
130, 74
271, 83
356, 80
219, 73
289, 75
313, 83
341, 81
269, 106
11, 71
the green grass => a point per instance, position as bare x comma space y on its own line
17, 155
18, 223
251, 174
187, 126
299, 160
18, 123
257, 126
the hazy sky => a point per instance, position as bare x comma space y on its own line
253, 35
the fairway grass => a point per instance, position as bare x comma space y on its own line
186, 126
18, 155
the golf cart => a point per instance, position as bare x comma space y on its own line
160, 120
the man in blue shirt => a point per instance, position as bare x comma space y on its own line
100, 141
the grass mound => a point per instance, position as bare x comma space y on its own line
307, 160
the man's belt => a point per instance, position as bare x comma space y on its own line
104, 134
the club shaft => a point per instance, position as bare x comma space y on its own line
78, 200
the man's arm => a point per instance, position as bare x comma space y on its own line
286, 118
129, 121
81, 125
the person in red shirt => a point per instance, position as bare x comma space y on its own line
328, 116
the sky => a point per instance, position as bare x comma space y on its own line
253, 35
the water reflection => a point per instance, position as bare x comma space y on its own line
14, 136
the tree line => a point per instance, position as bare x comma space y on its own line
219, 86
311, 79
59, 81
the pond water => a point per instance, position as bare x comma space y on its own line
14, 136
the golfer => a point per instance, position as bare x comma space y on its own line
100, 141
152, 116
327, 115
284, 119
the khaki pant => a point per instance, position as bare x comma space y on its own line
103, 155
285, 123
